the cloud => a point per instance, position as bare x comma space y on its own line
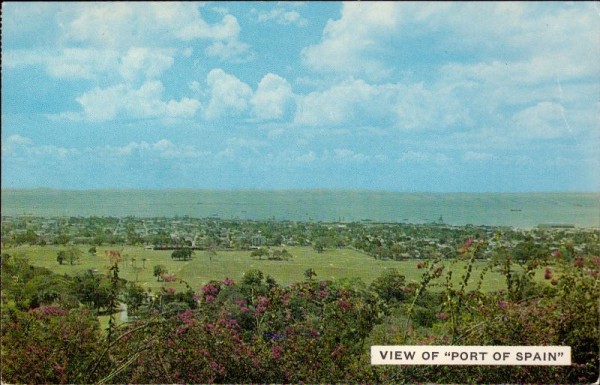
163, 149
436, 158
230, 50
273, 97
281, 16
20, 147
308, 157
103, 104
358, 103
351, 101
473, 156
121, 25
545, 120
18, 140
246, 151
514, 42
140, 61
133, 39
346, 155
229, 95
351, 44
227, 29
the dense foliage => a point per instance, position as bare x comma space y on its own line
256, 330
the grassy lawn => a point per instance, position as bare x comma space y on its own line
331, 264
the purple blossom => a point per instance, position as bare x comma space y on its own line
344, 304
262, 304
210, 289
49, 311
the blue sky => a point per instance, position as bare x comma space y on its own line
381, 96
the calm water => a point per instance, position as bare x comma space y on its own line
506, 209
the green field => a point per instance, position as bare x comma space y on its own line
329, 265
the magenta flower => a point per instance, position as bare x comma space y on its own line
344, 304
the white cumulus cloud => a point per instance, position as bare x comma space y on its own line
102, 104
272, 98
229, 95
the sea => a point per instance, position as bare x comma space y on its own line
521, 210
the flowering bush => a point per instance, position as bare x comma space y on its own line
314, 331
49, 345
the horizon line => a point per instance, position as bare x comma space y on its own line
295, 189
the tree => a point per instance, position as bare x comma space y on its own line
29, 237
253, 277
389, 285
134, 297
74, 255
62, 239
71, 255
182, 254
309, 274
319, 245
159, 270
93, 290
260, 252
60, 258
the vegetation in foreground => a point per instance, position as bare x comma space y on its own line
254, 329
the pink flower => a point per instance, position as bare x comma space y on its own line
502, 305
262, 304
187, 317
344, 304
211, 289
276, 351
48, 311
468, 242
227, 282
209, 298
168, 277
241, 302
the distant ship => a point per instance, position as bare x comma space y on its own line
515, 210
